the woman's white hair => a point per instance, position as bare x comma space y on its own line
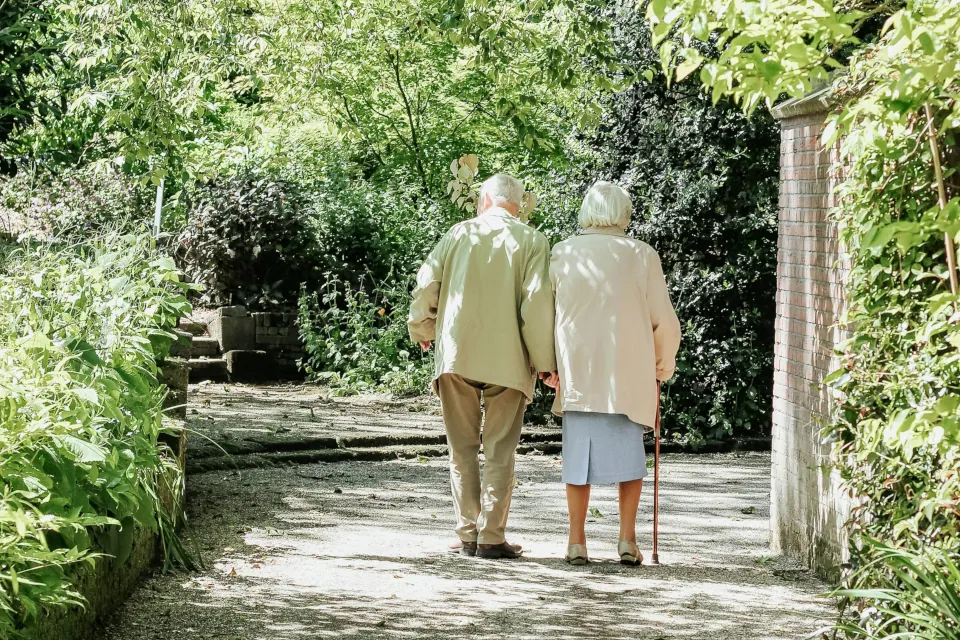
502, 188
605, 205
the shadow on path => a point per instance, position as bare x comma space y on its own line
358, 550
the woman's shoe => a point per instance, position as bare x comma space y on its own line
576, 554
629, 553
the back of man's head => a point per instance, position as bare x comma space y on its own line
502, 190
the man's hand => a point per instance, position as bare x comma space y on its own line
551, 379
425, 345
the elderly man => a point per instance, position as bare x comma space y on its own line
484, 295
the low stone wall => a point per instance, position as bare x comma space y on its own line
107, 584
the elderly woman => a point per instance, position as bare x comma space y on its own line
617, 337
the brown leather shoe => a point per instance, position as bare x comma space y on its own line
497, 551
464, 548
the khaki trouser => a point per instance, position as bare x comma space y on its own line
481, 506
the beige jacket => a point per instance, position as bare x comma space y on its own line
617, 333
483, 295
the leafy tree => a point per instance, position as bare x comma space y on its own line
415, 83
704, 184
25, 44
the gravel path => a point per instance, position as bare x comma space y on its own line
357, 549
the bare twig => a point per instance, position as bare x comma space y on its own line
467, 117
942, 196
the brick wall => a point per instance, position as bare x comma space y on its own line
277, 334
808, 510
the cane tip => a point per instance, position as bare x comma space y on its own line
655, 560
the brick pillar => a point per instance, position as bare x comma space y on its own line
808, 510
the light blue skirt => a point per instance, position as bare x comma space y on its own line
602, 448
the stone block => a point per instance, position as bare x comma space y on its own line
234, 332
213, 369
250, 366
236, 311
195, 328
205, 347
175, 374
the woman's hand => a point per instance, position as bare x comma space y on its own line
551, 379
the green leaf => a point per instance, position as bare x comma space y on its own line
692, 59
83, 450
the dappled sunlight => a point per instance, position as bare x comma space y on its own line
362, 553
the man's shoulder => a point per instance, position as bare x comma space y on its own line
525, 231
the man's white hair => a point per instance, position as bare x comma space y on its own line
605, 205
502, 188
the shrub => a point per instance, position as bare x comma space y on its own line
356, 341
81, 329
73, 204
247, 241
908, 590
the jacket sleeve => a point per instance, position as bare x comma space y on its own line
536, 308
666, 325
422, 319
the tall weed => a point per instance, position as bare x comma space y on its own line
357, 341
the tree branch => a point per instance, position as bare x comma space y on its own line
468, 116
395, 63
356, 123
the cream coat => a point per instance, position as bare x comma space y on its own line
616, 331
484, 296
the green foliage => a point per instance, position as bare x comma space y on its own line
26, 49
150, 82
247, 242
897, 428
766, 48
73, 204
357, 341
81, 329
929, 605
414, 83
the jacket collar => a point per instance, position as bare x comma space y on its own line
500, 212
605, 231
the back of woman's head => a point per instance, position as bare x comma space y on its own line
605, 205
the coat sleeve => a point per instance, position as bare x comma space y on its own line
666, 325
536, 308
422, 319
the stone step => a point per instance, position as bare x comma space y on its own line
182, 347
204, 346
214, 369
274, 458
195, 328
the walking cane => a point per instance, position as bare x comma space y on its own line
655, 557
